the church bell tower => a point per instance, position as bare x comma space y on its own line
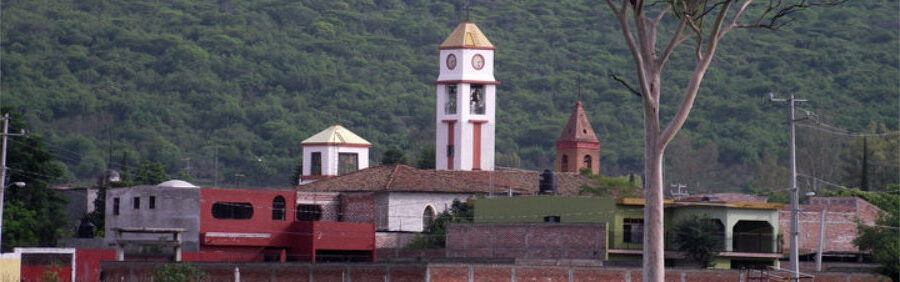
466, 99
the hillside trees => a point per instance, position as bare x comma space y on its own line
705, 23
166, 80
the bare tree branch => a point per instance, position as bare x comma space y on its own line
687, 102
633, 47
674, 41
624, 83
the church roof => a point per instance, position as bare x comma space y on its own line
578, 128
401, 178
466, 35
336, 135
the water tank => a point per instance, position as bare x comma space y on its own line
547, 184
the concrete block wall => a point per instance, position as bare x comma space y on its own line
527, 240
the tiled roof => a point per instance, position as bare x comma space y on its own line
578, 128
337, 135
401, 178
466, 34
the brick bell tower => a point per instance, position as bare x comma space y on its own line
577, 146
466, 100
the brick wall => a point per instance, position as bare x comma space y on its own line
840, 223
393, 239
358, 207
329, 201
441, 272
527, 240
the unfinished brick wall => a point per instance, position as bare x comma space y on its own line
840, 223
358, 207
527, 240
330, 203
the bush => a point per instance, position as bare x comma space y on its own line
699, 238
177, 272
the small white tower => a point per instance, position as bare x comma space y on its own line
332, 152
465, 101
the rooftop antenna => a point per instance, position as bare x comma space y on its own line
678, 193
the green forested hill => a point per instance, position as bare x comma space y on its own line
164, 81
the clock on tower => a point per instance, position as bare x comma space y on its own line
466, 99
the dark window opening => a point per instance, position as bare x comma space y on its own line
152, 203
633, 230
230, 210
137, 202
115, 206
552, 218
450, 105
753, 237
450, 151
347, 163
309, 212
278, 208
427, 218
564, 163
587, 161
476, 100
315, 163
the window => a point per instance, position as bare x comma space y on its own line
115, 206
347, 163
316, 163
309, 212
587, 161
564, 163
278, 208
633, 230
476, 100
231, 210
552, 218
137, 202
450, 105
427, 218
152, 202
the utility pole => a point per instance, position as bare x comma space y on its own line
3, 168
187, 168
795, 196
821, 240
216, 165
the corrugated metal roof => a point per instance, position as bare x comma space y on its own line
337, 135
466, 34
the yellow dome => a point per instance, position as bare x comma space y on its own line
466, 35
336, 135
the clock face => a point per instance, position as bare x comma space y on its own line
451, 61
478, 62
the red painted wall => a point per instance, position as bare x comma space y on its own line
87, 263
261, 222
36, 273
298, 239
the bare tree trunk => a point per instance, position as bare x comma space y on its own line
654, 260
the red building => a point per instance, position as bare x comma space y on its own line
228, 225
259, 225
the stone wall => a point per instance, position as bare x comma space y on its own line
527, 240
